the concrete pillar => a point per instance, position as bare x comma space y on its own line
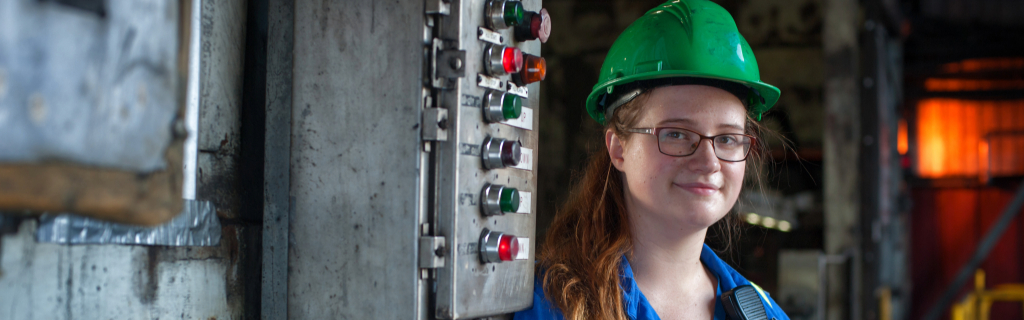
841, 152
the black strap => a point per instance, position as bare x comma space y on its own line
744, 303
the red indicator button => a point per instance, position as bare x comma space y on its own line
536, 25
498, 246
500, 60
508, 247
512, 60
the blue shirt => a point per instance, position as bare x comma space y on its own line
638, 308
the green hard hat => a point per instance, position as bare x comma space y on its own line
681, 42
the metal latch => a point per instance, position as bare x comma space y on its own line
432, 252
435, 124
446, 63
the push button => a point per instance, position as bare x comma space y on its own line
501, 60
500, 153
502, 14
534, 69
536, 25
499, 199
497, 247
500, 106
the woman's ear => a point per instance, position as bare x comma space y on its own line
615, 148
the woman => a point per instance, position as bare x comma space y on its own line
679, 95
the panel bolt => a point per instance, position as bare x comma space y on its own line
443, 124
456, 63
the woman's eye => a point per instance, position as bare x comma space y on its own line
727, 140
677, 135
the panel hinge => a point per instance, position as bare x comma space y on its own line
435, 124
432, 252
448, 64
439, 7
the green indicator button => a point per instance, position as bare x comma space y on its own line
509, 200
511, 106
513, 13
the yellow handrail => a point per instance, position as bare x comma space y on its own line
977, 304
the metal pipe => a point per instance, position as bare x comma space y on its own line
980, 253
188, 191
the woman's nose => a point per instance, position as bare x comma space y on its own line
704, 160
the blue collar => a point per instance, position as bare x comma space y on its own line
637, 306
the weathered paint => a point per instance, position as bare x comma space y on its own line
51, 281
92, 89
355, 168
222, 45
278, 134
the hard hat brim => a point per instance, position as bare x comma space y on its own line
769, 94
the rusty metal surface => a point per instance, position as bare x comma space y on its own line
84, 141
222, 45
59, 282
355, 160
197, 225
55, 281
277, 149
85, 88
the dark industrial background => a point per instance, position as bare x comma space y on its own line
902, 125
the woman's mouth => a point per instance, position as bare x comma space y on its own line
700, 189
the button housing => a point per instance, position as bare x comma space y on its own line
502, 60
496, 199
500, 106
499, 153
497, 246
502, 14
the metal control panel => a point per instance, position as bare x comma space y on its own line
411, 165
485, 86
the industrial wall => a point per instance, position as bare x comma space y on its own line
212, 277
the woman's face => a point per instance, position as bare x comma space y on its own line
691, 192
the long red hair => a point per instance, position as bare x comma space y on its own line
582, 254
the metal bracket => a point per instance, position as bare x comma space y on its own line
490, 82
489, 36
435, 124
439, 7
446, 63
517, 90
432, 252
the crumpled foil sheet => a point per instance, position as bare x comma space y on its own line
197, 225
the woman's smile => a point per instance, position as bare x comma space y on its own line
694, 190
697, 188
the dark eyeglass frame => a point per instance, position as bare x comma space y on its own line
656, 132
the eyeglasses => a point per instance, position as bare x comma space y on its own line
679, 142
